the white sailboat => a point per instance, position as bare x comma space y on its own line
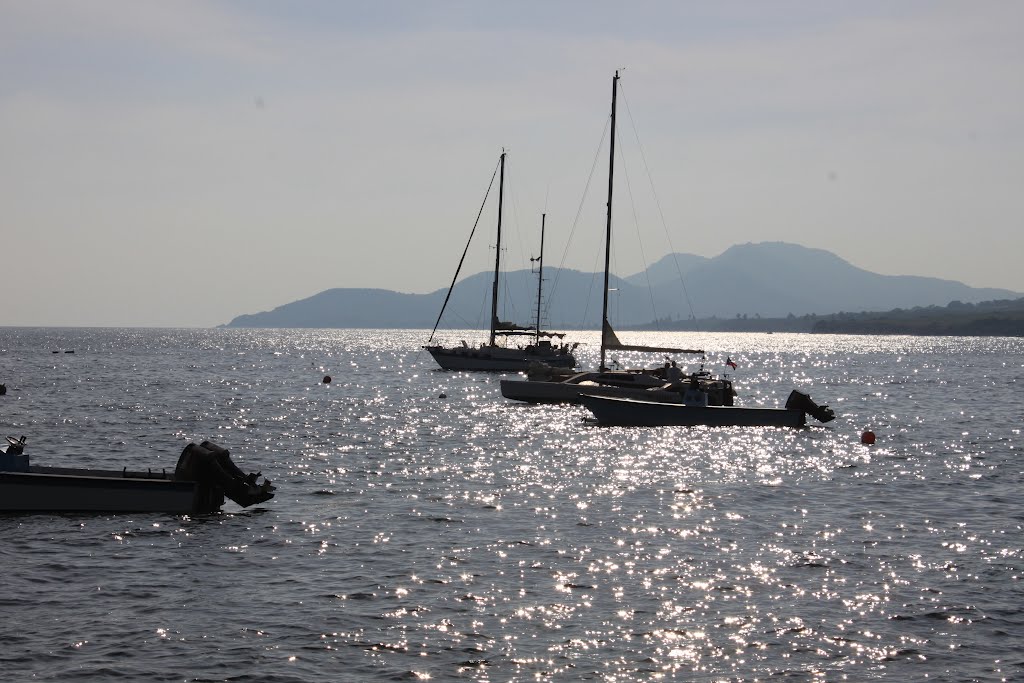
547, 386
491, 355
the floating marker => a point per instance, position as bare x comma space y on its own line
327, 379
443, 395
867, 437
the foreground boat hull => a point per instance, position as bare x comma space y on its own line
58, 489
496, 359
624, 412
202, 478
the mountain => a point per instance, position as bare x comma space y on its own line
350, 308
667, 270
773, 279
769, 279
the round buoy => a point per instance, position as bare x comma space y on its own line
443, 395
867, 437
327, 379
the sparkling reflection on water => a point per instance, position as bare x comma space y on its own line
469, 537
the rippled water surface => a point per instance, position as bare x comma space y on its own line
468, 537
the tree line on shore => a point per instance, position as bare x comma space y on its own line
999, 318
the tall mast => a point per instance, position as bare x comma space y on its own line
497, 251
540, 276
608, 225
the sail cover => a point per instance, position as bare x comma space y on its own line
510, 329
502, 326
612, 343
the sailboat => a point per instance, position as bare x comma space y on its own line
661, 397
546, 386
492, 355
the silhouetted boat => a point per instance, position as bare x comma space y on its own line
203, 477
492, 355
627, 412
661, 396
544, 385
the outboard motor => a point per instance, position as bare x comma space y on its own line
15, 446
800, 401
210, 464
14, 459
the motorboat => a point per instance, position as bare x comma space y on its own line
695, 411
203, 477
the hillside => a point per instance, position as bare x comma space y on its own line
766, 280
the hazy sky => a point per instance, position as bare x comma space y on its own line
180, 163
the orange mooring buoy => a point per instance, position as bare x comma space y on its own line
867, 437
327, 379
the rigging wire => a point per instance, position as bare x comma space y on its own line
657, 202
477, 323
545, 304
508, 298
522, 288
464, 251
636, 224
576, 222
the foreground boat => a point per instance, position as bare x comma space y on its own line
627, 412
490, 355
203, 477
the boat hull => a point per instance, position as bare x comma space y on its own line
624, 412
531, 391
496, 358
58, 489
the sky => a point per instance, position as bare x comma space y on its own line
175, 164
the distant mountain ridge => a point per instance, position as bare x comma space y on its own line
767, 279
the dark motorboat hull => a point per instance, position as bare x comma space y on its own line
203, 477
496, 358
626, 412
532, 391
59, 489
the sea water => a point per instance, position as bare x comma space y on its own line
425, 528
